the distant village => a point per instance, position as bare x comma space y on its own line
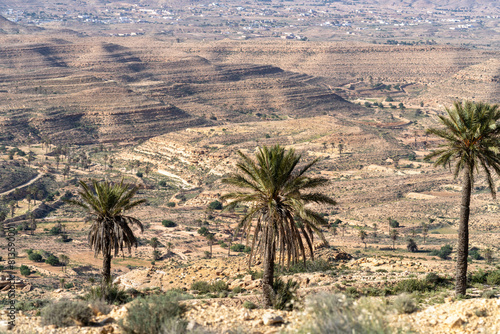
244, 20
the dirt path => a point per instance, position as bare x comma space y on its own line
184, 182
23, 185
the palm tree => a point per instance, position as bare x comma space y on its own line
425, 230
106, 203
393, 235
471, 136
64, 259
273, 187
210, 237
362, 236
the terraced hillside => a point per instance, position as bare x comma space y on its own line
83, 92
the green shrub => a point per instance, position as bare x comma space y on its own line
412, 246
489, 294
316, 265
215, 205
493, 278
352, 292
412, 285
249, 305
154, 314
443, 253
100, 306
205, 287
201, 286
474, 253
256, 274
29, 251
171, 204
139, 174
435, 279
31, 304
110, 293
336, 314
479, 276
52, 260
404, 303
393, 223
218, 286
65, 313
203, 231
25, 271
168, 223
240, 248
55, 230
35, 257
285, 294
238, 289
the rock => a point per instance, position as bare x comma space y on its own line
105, 321
191, 325
455, 322
246, 316
107, 330
27, 288
271, 319
248, 278
5, 326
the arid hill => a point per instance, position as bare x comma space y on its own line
83, 92
9, 27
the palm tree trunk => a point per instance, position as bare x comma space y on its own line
106, 268
463, 235
268, 275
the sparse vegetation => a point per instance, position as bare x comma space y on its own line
66, 312
335, 313
150, 315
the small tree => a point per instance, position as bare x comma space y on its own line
412, 246
394, 236
215, 205
64, 260
25, 270
362, 235
425, 231
12, 205
375, 229
210, 237
488, 255
154, 243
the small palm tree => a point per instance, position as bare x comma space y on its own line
106, 203
394, 236
273, 187
471, 136
362, 235
210, 237
425, 230
64, 259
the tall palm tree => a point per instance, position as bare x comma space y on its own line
471, 136
106, 203
273, 188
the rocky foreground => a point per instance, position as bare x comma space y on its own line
221, 316
229, 311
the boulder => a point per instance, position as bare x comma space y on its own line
272, 319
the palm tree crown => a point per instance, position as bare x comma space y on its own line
472, 139
471, 136
273, 187
111, 230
